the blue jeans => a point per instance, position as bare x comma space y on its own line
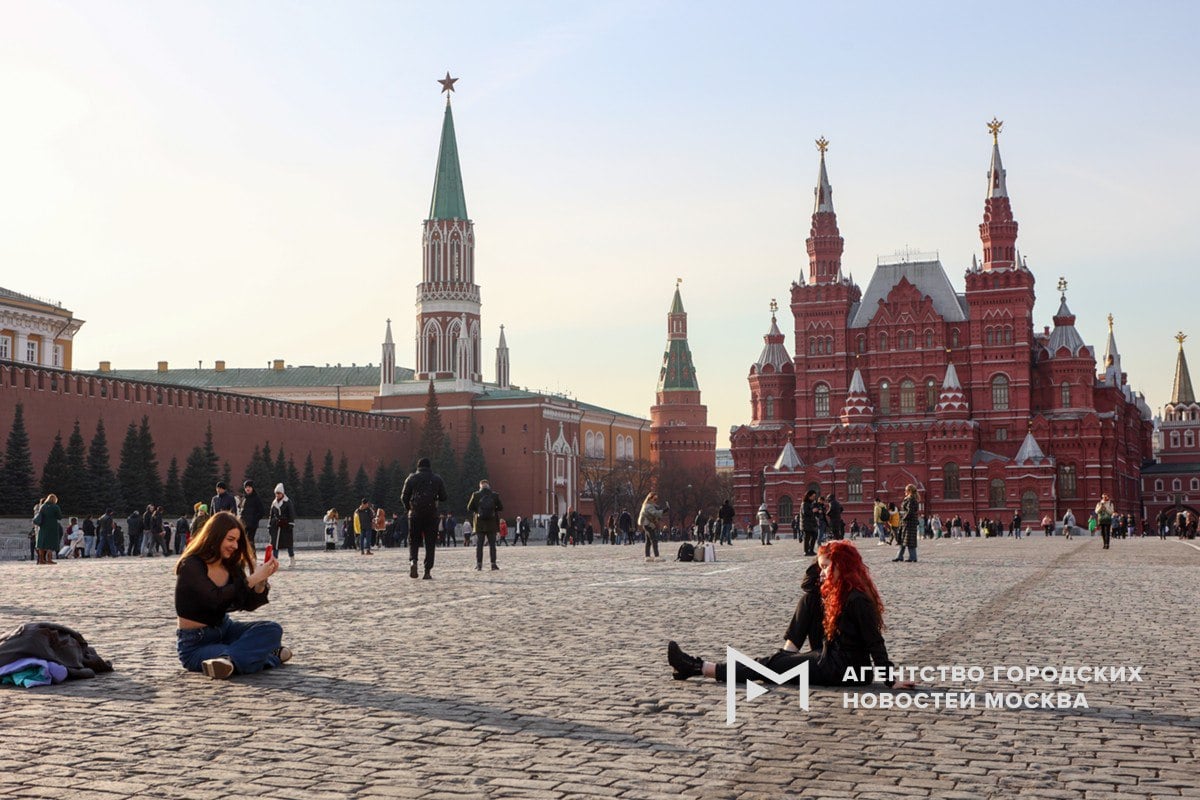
881, 532
912, 553
726, 528
250, 646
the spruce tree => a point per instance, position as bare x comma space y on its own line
227, 475
397, 473
212, 463
78, 482
279, 469
106, 490
327, 485
197, 483
292, 484
261, 471
362, 485
17, 491
346, 501
130, 471
446, 465
433, 433
309, 490
379, 487
54, 474
173, 497
153, 478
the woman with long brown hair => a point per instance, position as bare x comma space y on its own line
840, 614
216, 574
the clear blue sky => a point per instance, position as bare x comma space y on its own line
165, 163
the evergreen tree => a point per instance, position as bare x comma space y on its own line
362, 485
130, 471
154, 487
398, 473
433, 433
446, 465
54, 474
260, 470
174, 499
18, 493
106, 490
473, 468
197, 482
279, 470
327, 484
346, 501
309, 490
212, 463
78, 485
294, 491
227, 476
379, 487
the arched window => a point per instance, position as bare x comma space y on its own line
812, 346
1189, 439
883, 341
885, 398
862, 343
990, 336
1029, 504
1174, 438
1066, 481
785, 509
770, 408
1176, 485
996, 493
928, 340
909, 453
931, 395
1065, 395
894, 453
829, 345
1158, 485
599, 445
854, 487
954, 338
950, 481
1000, 392
908, 397
821, 400
589, 447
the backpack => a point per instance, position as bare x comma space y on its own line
487, 506
881, 514
687, 552
424, 497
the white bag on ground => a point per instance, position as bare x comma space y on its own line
709, 552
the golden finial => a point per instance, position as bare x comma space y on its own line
1062, 285
994, 128
1180, 337
678, 281
1110, 322
774, 307
822, 145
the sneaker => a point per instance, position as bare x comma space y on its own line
412, 571
291, 562
217, 668
683, 666
283, 653
478, 567
649, 559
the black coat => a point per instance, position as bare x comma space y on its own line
252, 511
51, 642
422, 492
282, 519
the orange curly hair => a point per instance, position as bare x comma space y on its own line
848, 573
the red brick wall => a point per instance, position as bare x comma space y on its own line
54, 399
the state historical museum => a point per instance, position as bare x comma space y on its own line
910, 381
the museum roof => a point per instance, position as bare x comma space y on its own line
929, 277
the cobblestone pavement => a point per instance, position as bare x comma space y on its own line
548, 679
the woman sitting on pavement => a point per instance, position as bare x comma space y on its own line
215, 575
840, 613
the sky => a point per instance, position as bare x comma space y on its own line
246, 181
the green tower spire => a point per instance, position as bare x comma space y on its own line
448, 199
678, 374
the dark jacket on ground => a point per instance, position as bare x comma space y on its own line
51, 642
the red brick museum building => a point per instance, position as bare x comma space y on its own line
910, 381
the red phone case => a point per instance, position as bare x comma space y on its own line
269, 554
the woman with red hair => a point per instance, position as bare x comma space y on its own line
840, 614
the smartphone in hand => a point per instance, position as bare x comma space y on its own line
269, 554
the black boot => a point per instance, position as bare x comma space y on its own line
683, 666
427, 576
412, 572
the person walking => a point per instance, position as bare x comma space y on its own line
909, 515
523, 530
1068, 524
504, 532
726, 515
648, 519
104, 534
423, 490
764, 525
625, 526
331, 526
282, 525
808, 522
252, 511
362, 527
223, 500
135, 527
1104, 518
486, 506
837, 526
880, 515
89, 536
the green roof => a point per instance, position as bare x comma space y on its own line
448, 199
523, 394
677, 303
259, 378
677, 374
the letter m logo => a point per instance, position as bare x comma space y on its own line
753, 690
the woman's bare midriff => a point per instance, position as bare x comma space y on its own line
190, 624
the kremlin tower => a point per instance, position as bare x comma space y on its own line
680, 437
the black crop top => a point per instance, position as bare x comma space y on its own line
199, 599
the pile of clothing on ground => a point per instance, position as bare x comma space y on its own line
41, 653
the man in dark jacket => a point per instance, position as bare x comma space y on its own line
837, 525
625, 525
486, 506
222, 500
422, 492
104, 533
726, 516
252, 510
135, 533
